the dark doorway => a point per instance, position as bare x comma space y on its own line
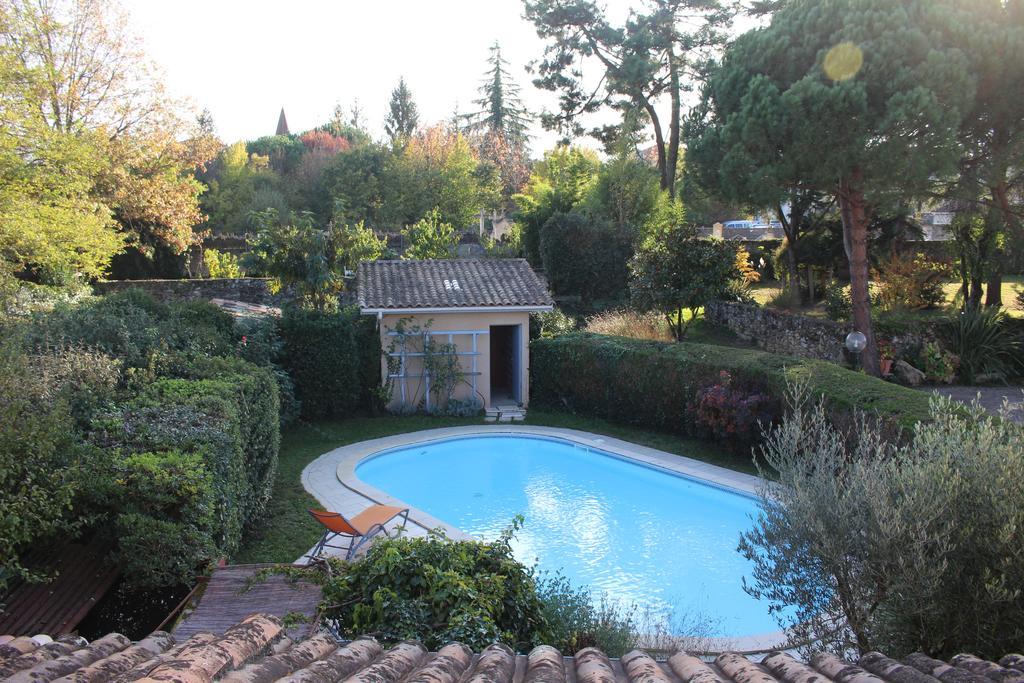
505, 365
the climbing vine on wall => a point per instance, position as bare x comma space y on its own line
441, 370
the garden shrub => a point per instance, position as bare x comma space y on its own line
898, 548
551, 323
166, 509
937, 364
985, 343
438, 591
131, 326
41, 464
677, 270
911, 282
221, 264
599, 376
733, 414
148, 428
232, 389
584, 256
333, 358
212, 435
838, 303
260, 343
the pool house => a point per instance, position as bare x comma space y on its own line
477, 310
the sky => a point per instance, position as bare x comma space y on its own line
245, 59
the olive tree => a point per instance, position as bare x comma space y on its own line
861, 99
862, 544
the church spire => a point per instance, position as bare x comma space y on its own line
282, 124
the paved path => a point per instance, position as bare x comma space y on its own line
990, 398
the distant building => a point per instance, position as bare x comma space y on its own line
282, 124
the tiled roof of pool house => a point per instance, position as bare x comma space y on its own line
450, 284
257, 650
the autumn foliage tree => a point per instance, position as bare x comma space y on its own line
93, 84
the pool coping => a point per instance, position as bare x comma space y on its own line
331, 479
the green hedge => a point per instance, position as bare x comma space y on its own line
131, 326
652, 384
333, 359
192, 467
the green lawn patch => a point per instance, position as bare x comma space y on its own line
289, 531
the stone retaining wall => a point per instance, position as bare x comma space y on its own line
792, 334
779, 332
251, 290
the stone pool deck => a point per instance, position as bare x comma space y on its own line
332, 480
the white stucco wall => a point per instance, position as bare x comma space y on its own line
461, 321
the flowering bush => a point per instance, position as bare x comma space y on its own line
732, 414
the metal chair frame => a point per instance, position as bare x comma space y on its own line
353, 545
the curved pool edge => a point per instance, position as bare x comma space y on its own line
331, 479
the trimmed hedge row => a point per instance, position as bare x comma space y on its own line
193, 467
653, 384
333, 359
178, 431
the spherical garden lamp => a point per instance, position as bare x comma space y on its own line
856, 342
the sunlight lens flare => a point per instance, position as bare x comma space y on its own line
843, 62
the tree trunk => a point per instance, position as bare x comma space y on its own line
1000, 196
659, 144
853, 209
673, 126
790, 227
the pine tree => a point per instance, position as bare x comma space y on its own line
403, 117
501, 109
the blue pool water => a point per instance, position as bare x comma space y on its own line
636, 534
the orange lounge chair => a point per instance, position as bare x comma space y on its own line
357, 530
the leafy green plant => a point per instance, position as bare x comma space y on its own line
221, 264
596, 375
677, 270
311, 259
333, 359
732, 413
838, 305
430, 238
551, 323
938, 364
437, 591
911, 282
41, 465
584, 256
576, 620
985, 344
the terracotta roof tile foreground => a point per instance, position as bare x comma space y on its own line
258, 651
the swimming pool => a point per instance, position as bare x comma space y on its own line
635, 533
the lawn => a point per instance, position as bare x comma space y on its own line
289, 530
764, 292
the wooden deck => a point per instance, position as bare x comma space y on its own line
83, 575
236, 591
